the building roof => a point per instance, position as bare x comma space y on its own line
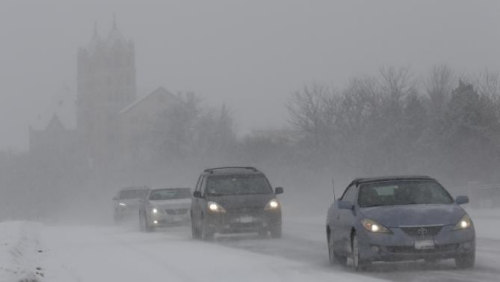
62, 107
160, 90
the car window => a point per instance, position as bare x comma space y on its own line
238, 185
350, 194
170, 194
132, 194
403, 193
198, 184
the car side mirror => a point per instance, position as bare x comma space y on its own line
345, 205
278, 190
460, 200
197, 194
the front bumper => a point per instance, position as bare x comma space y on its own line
243, 222
166, 217
400, 246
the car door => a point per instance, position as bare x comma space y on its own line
345, 219
197, 201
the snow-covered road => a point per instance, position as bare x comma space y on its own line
108, 253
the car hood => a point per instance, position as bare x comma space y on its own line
236, 202
172, 204
129, 203
409, 215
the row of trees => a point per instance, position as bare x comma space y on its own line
394, 123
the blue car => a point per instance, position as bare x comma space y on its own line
396, 219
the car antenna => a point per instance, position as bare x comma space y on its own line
333, 187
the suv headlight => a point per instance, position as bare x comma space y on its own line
464, 223
214, 207
374, 227
154, 210
272, 205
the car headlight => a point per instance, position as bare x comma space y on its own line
272, 205
464, 223
154, 210
122, 204
374, 227
214, 207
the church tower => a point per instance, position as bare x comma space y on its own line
106, 83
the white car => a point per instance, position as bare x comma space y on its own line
165, 206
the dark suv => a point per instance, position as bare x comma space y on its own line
235, 200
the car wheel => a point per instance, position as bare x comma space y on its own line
263, 233
144, 223
206, 233
195, 231
465, 261
431, 261
333, 256
276, 232
357, 262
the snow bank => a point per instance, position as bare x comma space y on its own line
19, 252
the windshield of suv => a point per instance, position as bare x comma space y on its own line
392, 193
238, 185
170, 194
133, 194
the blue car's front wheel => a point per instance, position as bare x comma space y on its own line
333, 256
357, 262
465, 261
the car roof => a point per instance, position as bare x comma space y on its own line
232, 170
134, 188
170, 188
391, 178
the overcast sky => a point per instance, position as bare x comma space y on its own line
249, 54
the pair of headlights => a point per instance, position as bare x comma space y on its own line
372, 226
214, 207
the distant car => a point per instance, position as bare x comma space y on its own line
234, 200
399, 218
163, 206
126, 203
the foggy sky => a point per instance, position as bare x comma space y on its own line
249, 54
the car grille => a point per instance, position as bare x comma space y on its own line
412, 250
244, 211
177, 212
422, 230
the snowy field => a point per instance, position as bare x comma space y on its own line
35, 252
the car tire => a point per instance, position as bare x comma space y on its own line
465, 261
206, 233
143, 221
357, 263
276, 232
195, 231
263, 233
333, 256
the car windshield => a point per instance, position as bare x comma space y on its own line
238, 185
133, 194
170, 194
413, 192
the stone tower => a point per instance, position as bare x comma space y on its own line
106, 83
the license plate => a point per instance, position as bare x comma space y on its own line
246, 219
424, 244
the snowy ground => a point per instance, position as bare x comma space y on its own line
35, 252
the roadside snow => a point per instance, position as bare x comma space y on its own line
19, 253
113, 254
